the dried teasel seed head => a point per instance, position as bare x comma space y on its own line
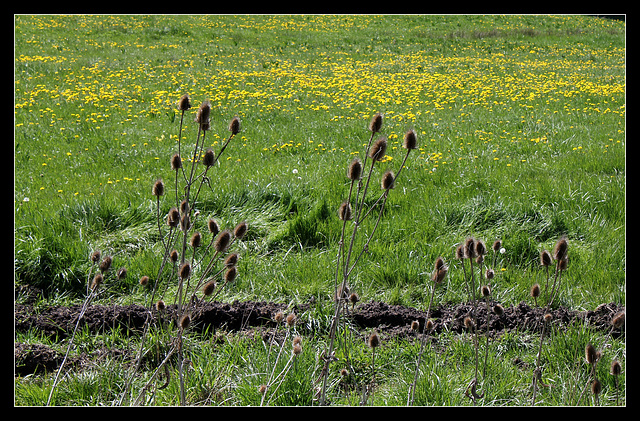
485, 290
95, 256
209, 158
297, 350
415, 325
374, 340
355, 170
202, 116
470, 248
144, 281
618, 320
231, 260
560, 249
353, 298
234, 126
498, 310
496, 245
297, 340
176, 162
460, 252
547, 317
590, 354
196, 240
185, 222
208, 288
376, 123
173, 218
262, 389
562, 264
439, 270
481, 249
616, 368
545, 258
185, 321
468, 323
97, 280
428, 327
213, 226
278, 317
184, 104
160, 305
410, 140
387, 181
596, 387
158, 188
230, 274
222, 241
185, 270
240, 230
344, 211
105, 264
378, 149
184, 207
173, 256
344, 372
490, 274
291, 319
535, 291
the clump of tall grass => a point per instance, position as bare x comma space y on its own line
354, 210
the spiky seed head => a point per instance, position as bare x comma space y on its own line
278, 317
616, 368
202, 116
230, 274
410, 140
160, 305
222, 241
262, 389
297, 350
468, 323
185, 270
213, 226
376, 123
545, 258
185, 321
196, 240
297, 340
481, 249
344, 372
415, 325
353, 298
485, 290
618, 320
496, 245
234, 126
535, 291
374, 340
184, 207
184, 104
562, 264
173, 256
596, 387
231, 260
355, 170
144, 281
208, 288
173, 218
97, 280
590, 354
460, 252
105, 264
344, 211
185, 222
560, 249
291, 319
240, 230
429, 326
209, 158
378, 149
547, 317
498, 310
158, 188
387, 181
439, 270
490, 274
470, 248
176, 162
95, 256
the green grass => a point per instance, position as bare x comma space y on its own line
521, 134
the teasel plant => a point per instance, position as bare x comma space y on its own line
355, 210
197, 268
560, 255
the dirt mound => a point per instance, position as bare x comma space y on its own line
391, 320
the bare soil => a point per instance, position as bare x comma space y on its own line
58, 322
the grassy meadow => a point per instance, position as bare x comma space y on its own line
520, 125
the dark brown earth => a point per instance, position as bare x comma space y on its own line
58, 323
